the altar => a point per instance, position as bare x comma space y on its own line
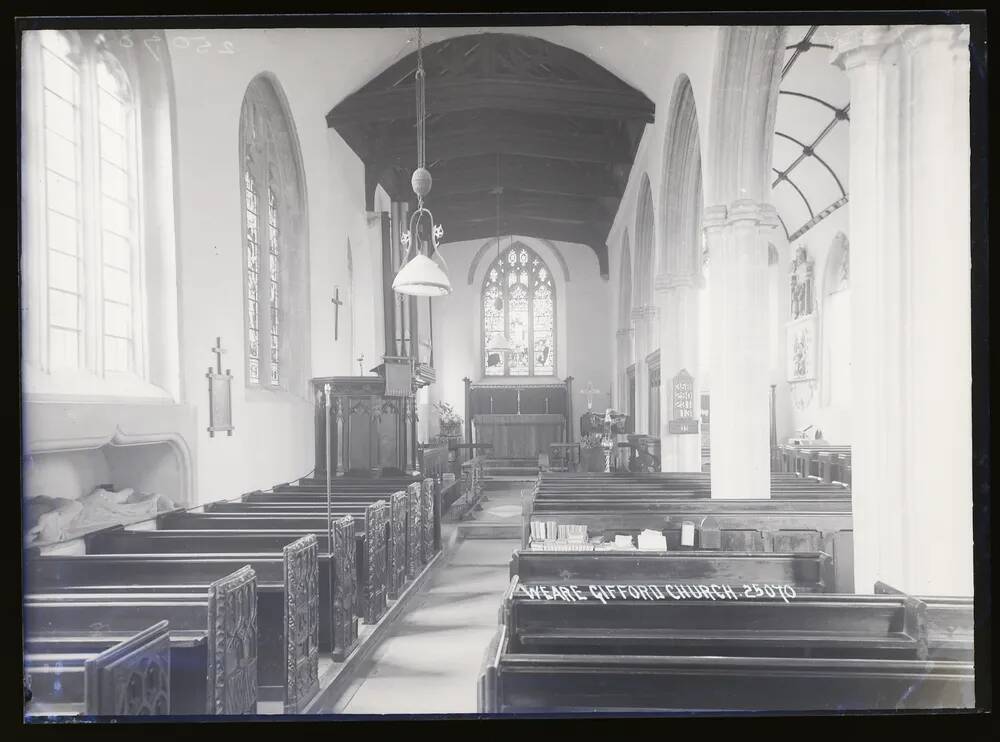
521, 436
520, 420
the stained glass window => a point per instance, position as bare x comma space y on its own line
90, 203
272, 267
271, 208
253, 277
519, 301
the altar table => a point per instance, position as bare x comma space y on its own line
519, 436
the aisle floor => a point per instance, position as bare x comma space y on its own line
430, 661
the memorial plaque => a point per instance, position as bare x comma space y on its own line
682, 418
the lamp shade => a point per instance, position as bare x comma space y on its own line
421, 276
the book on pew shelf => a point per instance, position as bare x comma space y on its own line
650, 540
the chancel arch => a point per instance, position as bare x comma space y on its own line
275, 241
680, 270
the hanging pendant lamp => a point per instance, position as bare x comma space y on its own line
499, 343
420, 274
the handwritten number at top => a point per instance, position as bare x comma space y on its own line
201, 44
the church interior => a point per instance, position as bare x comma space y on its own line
333, 338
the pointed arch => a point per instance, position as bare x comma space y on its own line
645, 239
275, 240
518, 300
681, 201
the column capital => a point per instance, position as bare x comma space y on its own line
754, 211
856, 46
714, 217
914, 37
668, 281
744, 209
645, 312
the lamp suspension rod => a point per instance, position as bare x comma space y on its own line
421, 104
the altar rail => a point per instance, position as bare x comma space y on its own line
829, 463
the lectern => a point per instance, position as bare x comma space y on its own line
374, 423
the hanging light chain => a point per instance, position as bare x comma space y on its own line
421, 103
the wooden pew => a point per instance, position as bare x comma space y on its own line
400, 540
373, 542
525, 683
805, 572
288, 603
338, 581
127, 677
424, 507
817, 625
787, 525
816, 651
225, 611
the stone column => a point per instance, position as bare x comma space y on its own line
641, 319
624, 338
737, 238
678, 343
909, 185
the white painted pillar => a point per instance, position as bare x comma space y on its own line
643, 318
678, 295
737, 242
910, 263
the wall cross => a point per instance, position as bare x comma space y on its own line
218, 350
337, 304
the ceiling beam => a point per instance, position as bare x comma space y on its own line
592, 236
527, 175
583, 233
443, 144
472, 93
574, 209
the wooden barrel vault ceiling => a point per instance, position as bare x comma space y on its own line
562, 130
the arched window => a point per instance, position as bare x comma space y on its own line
274, 254
84, 221
518, 299
837, 324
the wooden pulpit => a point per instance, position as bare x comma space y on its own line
370, 430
